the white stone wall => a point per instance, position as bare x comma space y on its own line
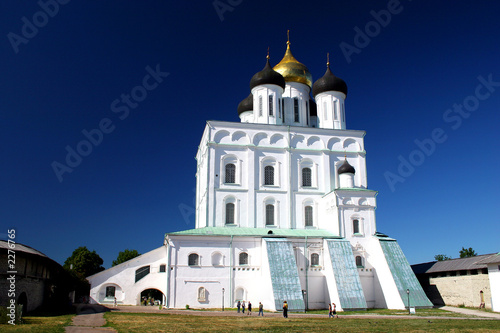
463, 289
494, 277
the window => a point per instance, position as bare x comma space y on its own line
308, 216
163, 268
453, 273
243, 259
110, 291
260, 106
335, 110
193, 259
296, 109
269, 214
230, 213
484, 271
342, 115
355, 226
473, 272
314, 259
283, 109
271, 110
307, 115
230, 174
269, 175
463, 272
306, 177
325, 110
359, 261
141, 272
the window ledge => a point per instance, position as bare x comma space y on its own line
271, 226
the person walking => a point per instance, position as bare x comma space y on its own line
243, 306
249, 312
238, 305
261, 309
330, 311
334, 310
285, 309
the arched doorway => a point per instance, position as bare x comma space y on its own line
151, 297
23, 300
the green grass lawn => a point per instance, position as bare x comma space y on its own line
39, 324
387, 312
146, 322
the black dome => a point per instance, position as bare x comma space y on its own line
267, 76
329, 82
346, 168
313, 110
246, 104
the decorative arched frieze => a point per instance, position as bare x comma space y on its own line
222, 136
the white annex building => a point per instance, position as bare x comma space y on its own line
283, 212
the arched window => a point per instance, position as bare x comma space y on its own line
359, 261
308, 212
355, 226
230, 174
110, 291
141, 272
314, 259
260, 106
243, 258
193, 259
269, 214
271, 111
283, 108
296, 109
306, 177
269, 175
230, 213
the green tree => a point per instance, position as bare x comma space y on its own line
84, 263
465, 253
125, 256
441, 257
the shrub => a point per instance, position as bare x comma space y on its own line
187, 306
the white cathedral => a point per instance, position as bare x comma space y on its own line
283, 212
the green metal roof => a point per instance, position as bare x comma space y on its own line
237, 231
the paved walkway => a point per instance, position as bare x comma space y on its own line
89, 318
471, 312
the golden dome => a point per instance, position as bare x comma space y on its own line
292, 70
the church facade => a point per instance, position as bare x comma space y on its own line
283, 212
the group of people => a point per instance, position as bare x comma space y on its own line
242, 306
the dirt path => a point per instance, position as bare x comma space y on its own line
89, 318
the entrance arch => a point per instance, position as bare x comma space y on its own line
151, 295
23, 300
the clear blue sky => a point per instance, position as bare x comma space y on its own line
126, 193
